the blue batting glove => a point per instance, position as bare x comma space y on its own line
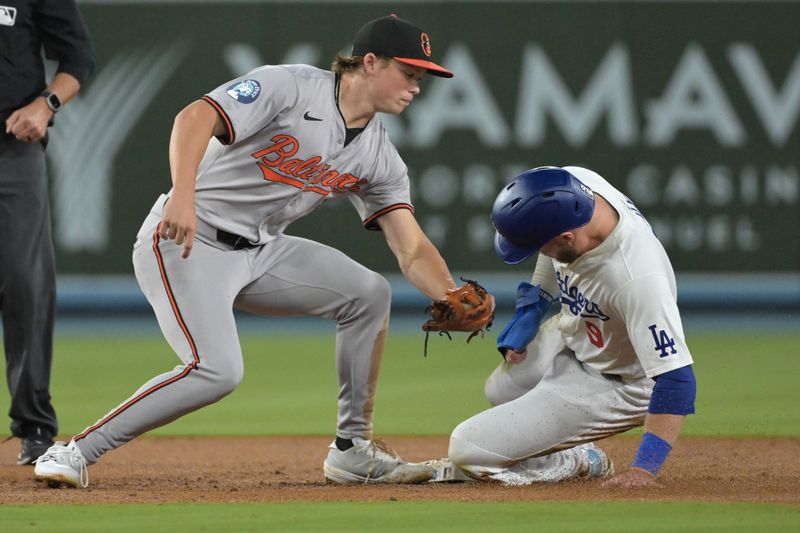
532, 305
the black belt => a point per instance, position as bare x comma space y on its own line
237, 242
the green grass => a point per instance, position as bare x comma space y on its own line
746, 385
387, 517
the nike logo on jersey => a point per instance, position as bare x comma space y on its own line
309, 117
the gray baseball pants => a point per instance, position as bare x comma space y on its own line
194, 299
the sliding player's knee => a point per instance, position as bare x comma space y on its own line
469, 450
499, 388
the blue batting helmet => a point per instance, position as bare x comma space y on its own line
537, 206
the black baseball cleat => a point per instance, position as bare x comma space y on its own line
32, 449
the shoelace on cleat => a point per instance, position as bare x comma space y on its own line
376, 446
82, 469
380, 445
84, 474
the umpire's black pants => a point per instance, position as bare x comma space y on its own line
27, 286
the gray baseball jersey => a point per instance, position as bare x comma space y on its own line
282, 155
587, 373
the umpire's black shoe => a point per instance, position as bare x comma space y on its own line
31, 449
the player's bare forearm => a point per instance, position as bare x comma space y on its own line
419, 260
191, 132
428, 272
666, 427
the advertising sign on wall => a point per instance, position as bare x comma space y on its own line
690, 108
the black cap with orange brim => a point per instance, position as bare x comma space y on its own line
399, 39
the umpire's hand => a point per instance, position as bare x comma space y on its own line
29, 123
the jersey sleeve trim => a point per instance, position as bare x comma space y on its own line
230, 135
657, 371
371, 223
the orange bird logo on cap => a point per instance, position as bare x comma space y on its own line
426, 44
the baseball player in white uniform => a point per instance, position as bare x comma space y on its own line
612, 359
247, 159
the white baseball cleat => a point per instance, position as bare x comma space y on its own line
372, 462
585, 461
62, 464
594, 462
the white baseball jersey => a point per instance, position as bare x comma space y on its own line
289, 157
587, 373
619, 310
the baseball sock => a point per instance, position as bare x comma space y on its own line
343, 444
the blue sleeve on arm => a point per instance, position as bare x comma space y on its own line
674, 393
653, 451
532, 305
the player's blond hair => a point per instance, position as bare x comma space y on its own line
346, 63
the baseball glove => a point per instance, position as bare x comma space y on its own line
466, 308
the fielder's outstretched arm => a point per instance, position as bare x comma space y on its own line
419, 260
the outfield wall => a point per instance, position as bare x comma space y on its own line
777, 294
691, 108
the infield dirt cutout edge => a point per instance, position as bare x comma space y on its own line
278, 469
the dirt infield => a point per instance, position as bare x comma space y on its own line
277, 469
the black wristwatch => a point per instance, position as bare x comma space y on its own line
52, 101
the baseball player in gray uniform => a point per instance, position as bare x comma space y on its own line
246, 160
613, 358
